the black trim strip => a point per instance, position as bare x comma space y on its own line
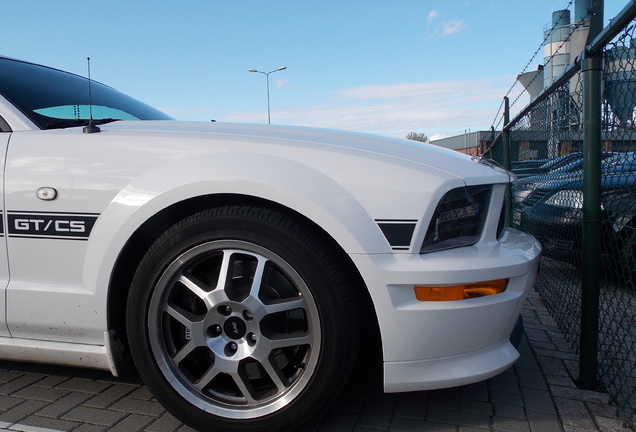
397, 232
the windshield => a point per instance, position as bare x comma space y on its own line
55, 99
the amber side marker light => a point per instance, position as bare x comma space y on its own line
460, 292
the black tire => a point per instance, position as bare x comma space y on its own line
224, 353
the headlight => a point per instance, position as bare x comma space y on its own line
458, 219
566, 198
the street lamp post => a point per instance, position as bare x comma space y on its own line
269, 118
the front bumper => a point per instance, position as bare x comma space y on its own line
428, 345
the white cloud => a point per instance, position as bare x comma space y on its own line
447, 27
436, 108
452, 27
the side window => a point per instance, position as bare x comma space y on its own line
4, 126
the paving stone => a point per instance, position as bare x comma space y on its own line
18, 383
90, 428
94, 416
506, 398
445, 398
64, 405
166, 423
339, 421
601, 409
542, 422
501, 424
21, 411
132, 423
477, 407
8, 402
109, 396
410, 425
52, 381
41, 393
477, 391
8, 375
33, 423
139, 406
573, 429
606, 424
552, 366
533, 379
564, 355
584, 395
509, 411
510, 387
538, 400
574, 413
142, 393
458, 418
376, 415
351, 403
83, 385
411, 405
185, 429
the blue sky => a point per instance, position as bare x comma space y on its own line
389, 67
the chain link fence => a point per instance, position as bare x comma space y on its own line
546, 150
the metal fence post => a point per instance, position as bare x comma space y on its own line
506, 161
592, 104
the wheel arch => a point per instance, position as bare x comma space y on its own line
139, 242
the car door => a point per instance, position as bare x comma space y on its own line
57, 183
4, 265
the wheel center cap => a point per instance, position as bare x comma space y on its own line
235, 328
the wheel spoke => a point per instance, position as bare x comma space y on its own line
258, 277
285, 306
185, 318
245, 388
275, 374
184, 352
292, 341
207, 378
226, 272
193, 286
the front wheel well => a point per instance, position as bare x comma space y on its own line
139, 243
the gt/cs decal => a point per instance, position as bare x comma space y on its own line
71, 226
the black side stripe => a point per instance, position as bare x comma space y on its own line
50, 225
398, 232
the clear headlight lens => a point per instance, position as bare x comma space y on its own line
458, 219
566, 198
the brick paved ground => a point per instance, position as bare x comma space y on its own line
536, 395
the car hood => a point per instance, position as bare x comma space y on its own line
473, 170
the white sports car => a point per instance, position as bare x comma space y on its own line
244, 266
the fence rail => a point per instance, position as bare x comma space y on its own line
573, 148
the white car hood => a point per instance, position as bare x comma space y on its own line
434, 157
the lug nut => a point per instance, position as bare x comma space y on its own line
248, 315
231, 348
215, 330
225, 310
